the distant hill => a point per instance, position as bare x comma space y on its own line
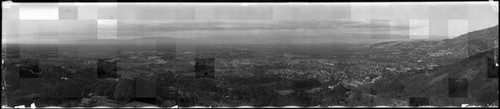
104, 42
473, 42
489, 33
460, 47
435, 85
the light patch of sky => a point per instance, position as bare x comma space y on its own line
34, 29
421, 29
107, 29
87, 12
481, 15
38, 12
457, 27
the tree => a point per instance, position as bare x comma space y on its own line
123, 90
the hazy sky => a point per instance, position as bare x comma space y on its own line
55, 22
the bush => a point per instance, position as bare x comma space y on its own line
306, 83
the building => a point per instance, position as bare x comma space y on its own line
160, 61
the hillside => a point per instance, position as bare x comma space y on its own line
435, 85
473, 49
460, 47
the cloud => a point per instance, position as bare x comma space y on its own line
148, 27
132, 29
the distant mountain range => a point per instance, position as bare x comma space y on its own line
460, 47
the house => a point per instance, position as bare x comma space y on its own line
160, 61
133, 57
153, 57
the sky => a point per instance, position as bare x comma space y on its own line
313, 22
